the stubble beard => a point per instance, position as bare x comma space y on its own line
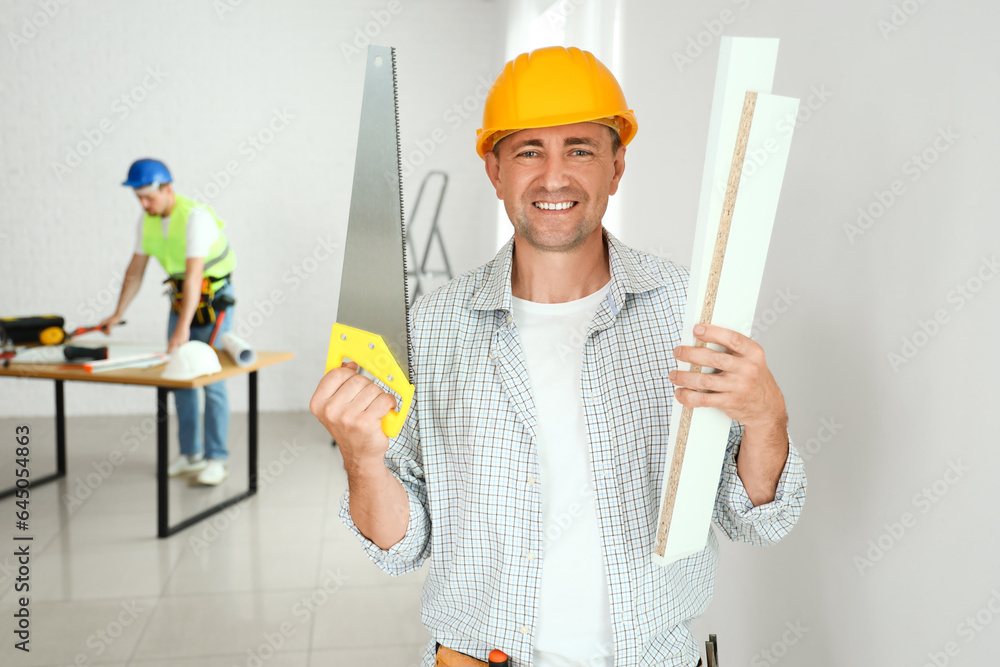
535, 236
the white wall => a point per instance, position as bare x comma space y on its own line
287, 73
853, 299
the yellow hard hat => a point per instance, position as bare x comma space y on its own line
553, 86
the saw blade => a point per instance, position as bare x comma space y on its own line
373, 289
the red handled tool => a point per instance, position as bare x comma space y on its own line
84, 330
499, 659
8, 353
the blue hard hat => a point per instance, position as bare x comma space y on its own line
146, 172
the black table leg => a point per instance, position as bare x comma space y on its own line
252, 432
60, 429
162, 442
163, 505
60, 445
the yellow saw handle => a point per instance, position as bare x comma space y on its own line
370, 352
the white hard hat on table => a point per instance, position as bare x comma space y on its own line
192, 359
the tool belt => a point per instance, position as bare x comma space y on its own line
209, 305
445, 657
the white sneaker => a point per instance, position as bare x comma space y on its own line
215, 472
185, 465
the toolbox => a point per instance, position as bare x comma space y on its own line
43, 329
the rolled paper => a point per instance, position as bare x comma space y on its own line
238, 349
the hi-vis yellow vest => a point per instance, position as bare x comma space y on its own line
172, 250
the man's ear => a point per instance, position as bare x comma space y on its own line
619, 170
493, 172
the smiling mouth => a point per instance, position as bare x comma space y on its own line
554, 206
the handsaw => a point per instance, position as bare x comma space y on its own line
371, 327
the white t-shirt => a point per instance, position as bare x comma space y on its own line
574, 610
201, 233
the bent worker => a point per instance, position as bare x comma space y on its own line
530, 468
187, 239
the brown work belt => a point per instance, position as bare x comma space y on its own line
448, 658
208, 303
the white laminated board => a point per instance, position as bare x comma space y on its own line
760, 155
745, 63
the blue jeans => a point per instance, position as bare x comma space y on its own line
216, 398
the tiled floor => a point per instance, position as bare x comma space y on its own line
275, 581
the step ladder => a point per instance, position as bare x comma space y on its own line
419, 274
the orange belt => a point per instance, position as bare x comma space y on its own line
448, 658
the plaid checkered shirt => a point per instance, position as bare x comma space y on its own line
468, 461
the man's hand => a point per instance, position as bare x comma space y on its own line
108, 322
182, 334
130, 285
351, 408
745, 390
